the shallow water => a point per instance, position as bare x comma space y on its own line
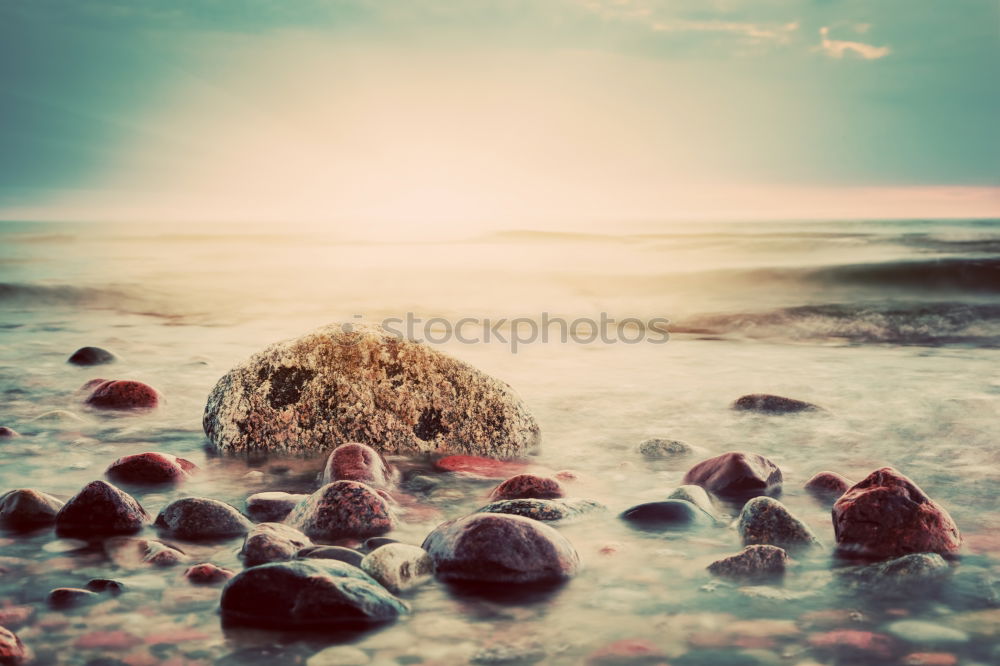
892, 327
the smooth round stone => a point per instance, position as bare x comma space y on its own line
527, 486
91, 356
764, 403
765, 520
123, 394
348, 555
666, 515
926, 633
342, 509
27, 509
827, 486
376, 542
357, 462
399, 566
101, 585
8, 433
70, 597
498, 548
272, 506
751, 563
307, 594
887, 515
196, 518
272, 542
697, 496
100, 509
661, 449
150, 468
545, 510
736, 475
207, 574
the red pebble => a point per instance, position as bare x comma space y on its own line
357, 462
124, 394
488, 468
207, 574
527, 486
150, 467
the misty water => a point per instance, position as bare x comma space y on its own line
894, 328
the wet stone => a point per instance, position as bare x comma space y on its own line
545, 510
376, 542
27, 509
666, 515
100, 509
123, 394
342, 509
664, 449
527, 486
150, 468
106, 585
736, 475
765, 520
764, 403
197, 518
71, 597
758, 562
272, 542
91, 356
8, 433
479, 467
207, 574
348, 555
697, 496
915, 573
398, 566
357, 462
272, 506
12, 650
827, 486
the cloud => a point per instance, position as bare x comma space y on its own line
836, 48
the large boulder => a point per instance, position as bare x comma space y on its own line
500, 548
342, 509
887, 515
26, 509
362, 384
736, 475
307, 594
100, 509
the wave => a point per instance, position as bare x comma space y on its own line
925, 324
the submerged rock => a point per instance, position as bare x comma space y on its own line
12, 650
665, 515
697, 496
27, 509
348, 555
915, 574
497, 548
101, 585
764, 403
399, 566
357, 462
527, 486
272, 506
307, 594
479, 467
8, 433
736, 475
658, 448
342, 509
131, 552
545, 510
123, 394
752, 563
207, 574
71, 597
91, 356
926, 633
887, 515
100, 509
272, 542
150, 468
827, 486
362, 384
196, 518
765, 520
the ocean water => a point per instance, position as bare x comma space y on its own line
893, 327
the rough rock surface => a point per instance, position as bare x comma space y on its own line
12, 650
132, 552
195, 518
26, 509
342, 509
765, 520
658, 448
348, 555
100, 509
665, 515
543, 509
497, 548
272, 506
697, 496
207, 574
399, 566
773, 404
753, 562
357, 462
123, 394
307, 594
915, 573
151, 468
362, 384
272, 542
887, 515
91, 356
827, 486
736, 475
527, 486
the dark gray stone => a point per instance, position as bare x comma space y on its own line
197, 518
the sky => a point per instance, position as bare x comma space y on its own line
421, 114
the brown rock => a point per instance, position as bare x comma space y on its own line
272, 542
123, 394
150, 468
887, 515
26, 509
100, 509
527, 486
195, 518
272, 506
827, 486
342, 509
357, 462
753, 562
736, 475
207, 574
91, 356
71, 597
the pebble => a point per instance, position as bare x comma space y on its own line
342, 509
399, 567
753, 562
91, 356
527, 486
501, 652
123, 394
100, 509
665, 515
197, 518
736, 475
112, 587
27, 509
854, 644
765, 520
272, 542
71, 597
358, 462
659, 449
827, 486
765, 403
150, 468
272, 506
207, 574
